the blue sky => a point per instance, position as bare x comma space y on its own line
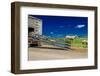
60, 26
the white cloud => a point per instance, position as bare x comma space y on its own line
80, 26
51, 33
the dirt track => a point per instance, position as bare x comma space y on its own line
49, 54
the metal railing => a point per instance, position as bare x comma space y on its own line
50, 41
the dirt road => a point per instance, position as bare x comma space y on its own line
49, 54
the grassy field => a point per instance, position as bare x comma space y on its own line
76, 42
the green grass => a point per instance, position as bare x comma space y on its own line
77, 42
